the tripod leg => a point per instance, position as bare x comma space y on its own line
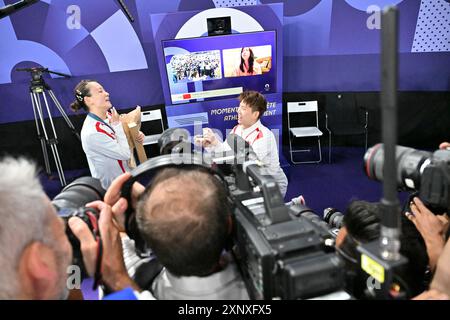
59, 167
63, 113
41, 138
53, 142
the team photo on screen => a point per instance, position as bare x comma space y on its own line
195, 66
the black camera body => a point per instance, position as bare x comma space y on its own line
70, 202
425, 172
281, 251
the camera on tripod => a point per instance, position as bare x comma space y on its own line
47, 135
426, 172
36, 73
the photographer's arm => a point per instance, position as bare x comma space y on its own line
431, 295
113, 271
441, 279
440, 286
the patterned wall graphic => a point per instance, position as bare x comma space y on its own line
433, 27
234, 3
103, 35
327, 46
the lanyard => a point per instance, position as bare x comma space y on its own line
96, 117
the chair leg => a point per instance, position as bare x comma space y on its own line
366, 140
292, 152
320, 150
301, 162
290, 148
329, 147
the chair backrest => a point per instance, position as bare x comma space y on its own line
152, 125
302, 106
309, 114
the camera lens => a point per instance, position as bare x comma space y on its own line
333, 217
410, 165
70, 202
81, 191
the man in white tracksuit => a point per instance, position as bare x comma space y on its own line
252, 106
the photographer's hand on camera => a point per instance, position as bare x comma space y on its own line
432, 228
118, 203
113, 272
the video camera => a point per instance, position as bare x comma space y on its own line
282, 252
426, 172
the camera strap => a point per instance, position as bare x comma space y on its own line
98, 239
98, 264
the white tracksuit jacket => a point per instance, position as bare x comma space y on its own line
106, 149
265, 146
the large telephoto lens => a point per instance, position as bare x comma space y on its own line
410, 165
70, 203
78, 193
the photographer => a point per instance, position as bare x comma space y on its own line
187, 229
362, 225
34, 250
252, 106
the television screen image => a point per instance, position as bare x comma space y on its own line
247, 61
207, 68
195, 66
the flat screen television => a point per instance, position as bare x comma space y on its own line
209, 68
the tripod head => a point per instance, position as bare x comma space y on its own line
36, 72
36, 76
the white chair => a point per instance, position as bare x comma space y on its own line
307, 115
152, 126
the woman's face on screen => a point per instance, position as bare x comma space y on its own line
245, 54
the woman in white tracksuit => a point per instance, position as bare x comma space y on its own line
102, 136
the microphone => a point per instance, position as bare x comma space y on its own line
6, 11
